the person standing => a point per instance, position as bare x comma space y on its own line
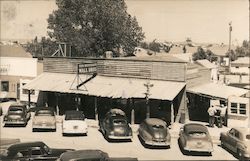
211, 112
223, 112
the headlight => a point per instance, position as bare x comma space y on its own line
111, 132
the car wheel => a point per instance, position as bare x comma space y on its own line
240, 155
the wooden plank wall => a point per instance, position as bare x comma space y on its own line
157, 70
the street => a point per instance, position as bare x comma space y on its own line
95, 140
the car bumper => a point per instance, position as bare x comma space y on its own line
198, 149
156, 143
53, 127
14, 122
119, 137
72, 131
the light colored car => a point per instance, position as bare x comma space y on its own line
74, 122
237, 140
195, 137
154, 132
44, 119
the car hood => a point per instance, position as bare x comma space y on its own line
43, 119
159, 133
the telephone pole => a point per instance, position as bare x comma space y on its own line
147, 94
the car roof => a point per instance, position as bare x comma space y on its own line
44, 108
83, 154
72, 112
155, 121
242, 130
25, 144
195, 127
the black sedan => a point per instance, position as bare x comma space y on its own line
115, 126
237, 140
90, 155
154, 132
195, 137
17, 115
32, 151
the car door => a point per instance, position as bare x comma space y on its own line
37, 153
231, 140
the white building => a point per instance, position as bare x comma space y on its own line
16, 65
240, 66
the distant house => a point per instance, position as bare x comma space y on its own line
17, 67
240, 66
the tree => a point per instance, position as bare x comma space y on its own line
94, 26
243, 50
200, 54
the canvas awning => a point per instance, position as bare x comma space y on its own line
217, 90
105, 86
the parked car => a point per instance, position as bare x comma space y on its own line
17, 114
237, 140
115, 126
154, 132
44, 119
32, 151
194, 137
74, 122
90, 155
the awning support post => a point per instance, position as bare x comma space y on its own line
96, 112
172, 113
29, 98
132, 111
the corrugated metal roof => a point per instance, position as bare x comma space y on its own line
218, 90
104, 86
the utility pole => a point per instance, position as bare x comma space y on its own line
147, 94
230, 30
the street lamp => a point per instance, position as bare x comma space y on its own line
147, 94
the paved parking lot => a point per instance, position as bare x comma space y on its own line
95, 140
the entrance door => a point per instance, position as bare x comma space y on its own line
18, 91
238, 111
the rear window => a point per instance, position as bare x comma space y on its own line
119, 122
15, 110
197, 134
74, 117
44, 113
248, 137
158, 126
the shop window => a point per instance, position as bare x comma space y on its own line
5, 86
234, 108
243, 109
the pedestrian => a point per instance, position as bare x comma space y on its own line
223, 112
211, 111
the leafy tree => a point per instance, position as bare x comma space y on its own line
94, 26
154, 46
200, 54
243, 50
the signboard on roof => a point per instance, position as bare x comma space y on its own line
86, 68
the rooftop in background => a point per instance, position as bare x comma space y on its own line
13, 51
242, 60
220, 50
205, 63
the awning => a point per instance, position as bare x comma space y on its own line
105, 86
217, 90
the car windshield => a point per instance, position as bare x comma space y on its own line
75, 117
158, 126
197, 134
44, 113
46, 148
119, 122
15, 110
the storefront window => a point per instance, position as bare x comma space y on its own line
5, 86
243, 109
234, 108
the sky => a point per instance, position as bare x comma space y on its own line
204, 21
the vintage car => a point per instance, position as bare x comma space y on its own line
32, 151
154, 132
115, 126
74, 122
17, 114
194, 137
90, 155
44, 119
237, 140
